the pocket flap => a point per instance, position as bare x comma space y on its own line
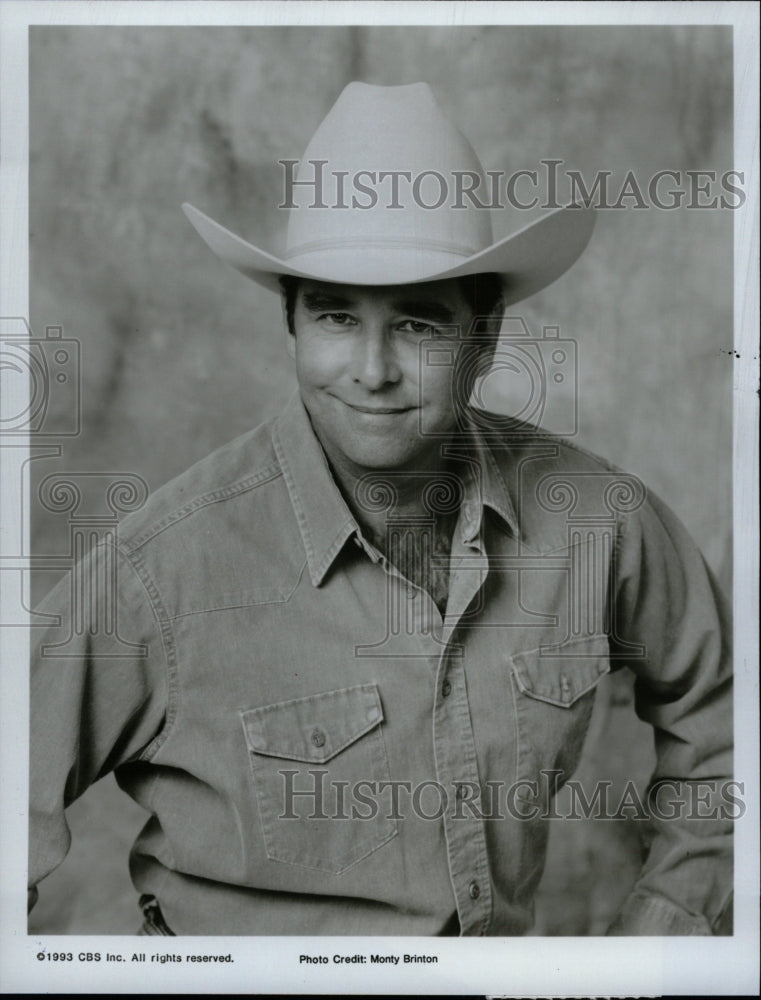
315, 728
562, 677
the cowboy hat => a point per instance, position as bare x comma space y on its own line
381, 197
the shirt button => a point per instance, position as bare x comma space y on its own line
474, 890
411, 592
446, 689
318, 738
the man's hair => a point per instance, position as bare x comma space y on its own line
482, 293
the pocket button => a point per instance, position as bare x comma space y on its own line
318, 738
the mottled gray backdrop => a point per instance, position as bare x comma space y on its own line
180, 354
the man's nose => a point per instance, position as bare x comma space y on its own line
375, 363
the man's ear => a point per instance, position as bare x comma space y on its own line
290, 343
290, 340
488, 352
476, 354
488, 342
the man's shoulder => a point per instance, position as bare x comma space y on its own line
229, 473
516, 443
555, 484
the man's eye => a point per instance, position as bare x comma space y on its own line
416, 326
337, 319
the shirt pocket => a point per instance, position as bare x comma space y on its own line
316, 764
554, 691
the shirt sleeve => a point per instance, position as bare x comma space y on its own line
98, 694
668, 602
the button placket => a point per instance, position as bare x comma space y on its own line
455, 752
457, 771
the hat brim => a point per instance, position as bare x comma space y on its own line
528, 260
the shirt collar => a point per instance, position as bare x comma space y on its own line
486, 486
324, 519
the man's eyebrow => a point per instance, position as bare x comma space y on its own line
318, 301
423, 307
325, 301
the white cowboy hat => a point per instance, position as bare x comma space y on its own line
352, 221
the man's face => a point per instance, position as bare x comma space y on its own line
360, 371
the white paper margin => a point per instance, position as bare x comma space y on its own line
506, 966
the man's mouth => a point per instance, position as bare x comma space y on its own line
377, 410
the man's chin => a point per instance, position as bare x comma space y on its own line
383, 460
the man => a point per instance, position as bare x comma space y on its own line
356, 650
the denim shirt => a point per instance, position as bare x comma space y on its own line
314, 741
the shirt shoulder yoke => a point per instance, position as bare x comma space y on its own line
238, 467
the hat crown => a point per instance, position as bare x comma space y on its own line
394, 176
386, 170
